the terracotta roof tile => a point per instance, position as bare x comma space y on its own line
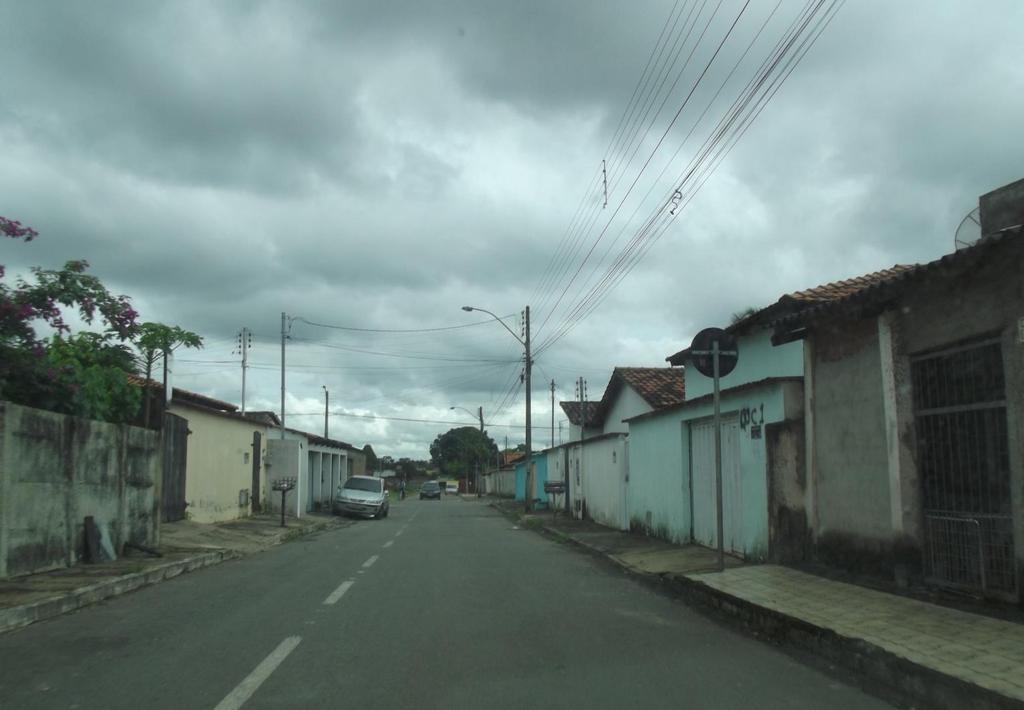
659, 386
898, 279
848, 287
812, 298
185, 394
574, 409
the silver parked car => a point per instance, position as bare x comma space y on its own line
363, 495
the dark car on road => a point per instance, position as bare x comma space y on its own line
430, 489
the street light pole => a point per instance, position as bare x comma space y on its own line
528, 361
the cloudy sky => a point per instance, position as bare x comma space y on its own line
378, 165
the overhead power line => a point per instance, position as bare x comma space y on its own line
410, 356
395, 330
752, 99
407, 419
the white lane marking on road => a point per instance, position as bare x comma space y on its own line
399, 533
244, 690
338, 593
389, 543
369, 562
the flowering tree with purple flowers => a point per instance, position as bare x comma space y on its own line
83, 374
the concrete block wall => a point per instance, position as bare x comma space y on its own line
55, 470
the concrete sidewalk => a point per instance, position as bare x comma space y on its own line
924, 653
185, 547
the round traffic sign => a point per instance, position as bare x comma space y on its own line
702, 349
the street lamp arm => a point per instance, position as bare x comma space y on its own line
503, 324
527, 367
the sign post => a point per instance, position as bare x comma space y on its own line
714, 355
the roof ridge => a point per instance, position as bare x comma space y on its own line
825, 291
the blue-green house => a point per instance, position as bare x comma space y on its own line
671, 491
766, 493
540, 477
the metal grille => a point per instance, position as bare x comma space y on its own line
956, 555
964, 464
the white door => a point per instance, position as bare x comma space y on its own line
702, 442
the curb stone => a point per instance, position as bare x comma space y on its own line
905, 680
17, 617
901, 680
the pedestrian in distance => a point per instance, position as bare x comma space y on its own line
401, 489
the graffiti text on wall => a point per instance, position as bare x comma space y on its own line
752, 417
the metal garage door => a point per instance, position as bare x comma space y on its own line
702, 447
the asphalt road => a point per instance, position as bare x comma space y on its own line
441, 605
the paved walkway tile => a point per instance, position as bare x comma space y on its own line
977, 649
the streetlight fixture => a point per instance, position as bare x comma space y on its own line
479, 414
527, 379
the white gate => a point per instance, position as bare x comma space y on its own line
702, 448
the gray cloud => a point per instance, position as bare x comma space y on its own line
381, 165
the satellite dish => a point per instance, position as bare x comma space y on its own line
969, 231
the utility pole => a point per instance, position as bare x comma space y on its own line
718, 459
327, 406
552, 414
480, 413
529, 424
244, 343
284, 319
583, 425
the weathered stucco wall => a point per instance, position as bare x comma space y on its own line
788, 528
605, 465
356, 464
660, 463
55, 470
659, 487
286, 458
987, 300
862, 461
500, 483
540, 475
850, 451
627, 404
218, 468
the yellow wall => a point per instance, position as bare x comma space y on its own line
219, 464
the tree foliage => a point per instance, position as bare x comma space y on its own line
156, 340
84, 373
458, 451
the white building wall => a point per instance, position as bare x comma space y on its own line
627, 404
597, 481
286, 458
218, 465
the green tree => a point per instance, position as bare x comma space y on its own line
91, 378
458, 451
406, 468
83, 374
154, 341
